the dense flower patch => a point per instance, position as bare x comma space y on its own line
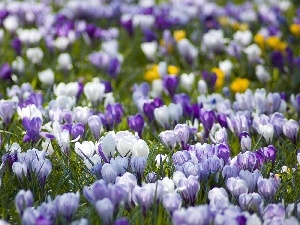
149, 112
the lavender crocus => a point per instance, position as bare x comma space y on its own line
42, 169
290, 129
236, 186
190, 188
109, 173
105, 208
23, 200
95, 125
33, 128
6, 111
245, 141
138, 165
267, 187
168, 138
182, 133
77, 130
67, 205
172, 202
136, 123
251, 201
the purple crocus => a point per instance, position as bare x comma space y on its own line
66, 205
148, 109
23, 200
6, 72
105, 208
182, 133
17, 45
42, 169
290, 129
172, 202
33, 128
77, 130
95, 125
207, 119
277, 60
6, 111
136, 123
170, 83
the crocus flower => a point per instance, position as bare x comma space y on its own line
182, 133
251, 201
172, 202
168, 138
136, 123
267, 131
67, 205
170, 84
6, 111
245, 141
81, 114
6, 72
109, 173
236, 186
267, 187
105, 208
290, 129
23, 200
95, 125
42, 169
85, 149
161, 115
140, 148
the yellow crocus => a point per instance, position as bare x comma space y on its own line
260, 40
275, 43
173, 70
152, 73
295, 29
240, 85
220, 77
179, 34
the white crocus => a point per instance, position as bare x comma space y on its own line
162, 116
244, 38
11, 23
202, 87
47, 146
149, 49
226, 66
35, 55
18, 64
187, 81
90, 162
30, 111
175, 111
46, 76
157, 88
253, 53
108, 144
94, 91
61, 43
140, 148
81, 114
168, 185
64, 61
267, 131
86, 149
262, 74
125, 145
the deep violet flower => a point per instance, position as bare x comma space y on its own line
136, 123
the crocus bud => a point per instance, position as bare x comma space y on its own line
172, 202
175, 112
236, 186
251, 201
108, 145
81, 114
140, 148
245, 141
267, 131
23, 200
95, 125
67, 205
182, 133
77, 130
64, 61
85, 149
46, 76
170, 84
6, 72
6, 111
42, 169
168, 138
105, 208
161, 115
290, 129
149, 49
202, 87
138, 164
109, 174
136, 123
35, 55
11, 23
20, 169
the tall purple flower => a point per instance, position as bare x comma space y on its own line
33, 128
291, 129
5, 72
6, 111
136, 123
207, 119
170, 84
66, 205
17, 45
